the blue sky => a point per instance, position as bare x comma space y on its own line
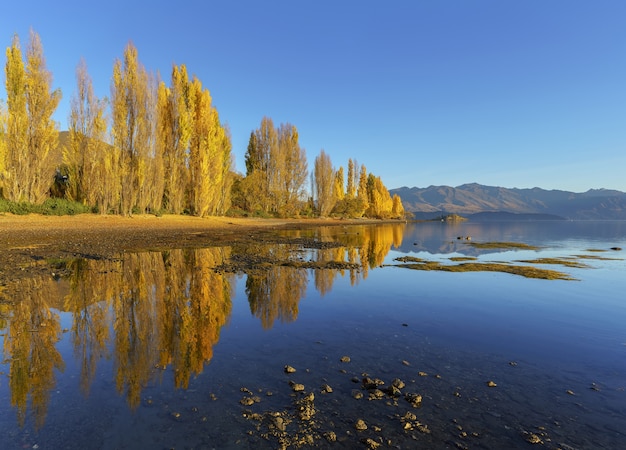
504, 93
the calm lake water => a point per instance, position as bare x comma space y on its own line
173, 350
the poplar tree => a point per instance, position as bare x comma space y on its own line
397, 210
262, 146
362, 194
3, 146
133, 131
86, 154
380, 202
276, 168
352, 179
338, 190
208, 154
174, 128
30, 131
289, 170
43, 132
324, 180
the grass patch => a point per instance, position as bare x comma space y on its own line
598, 258
462, 258
525, 271
514, 245
407, 259
561, 261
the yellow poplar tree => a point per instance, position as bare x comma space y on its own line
85, 156
324, 180
17, 162
397, 210
352, 179
262, 148
133, 131
362, 195
289, 169
174, 128
206, 156
339, 191
3, 146
43, 133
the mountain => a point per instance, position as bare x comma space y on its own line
473, 198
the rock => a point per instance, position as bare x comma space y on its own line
370, 443
376, 394
360, 425
369, 383
296, 387
248, 401
326, 389
289, 369
422, 374
393, 391
279, 423
330, 436
306, 408
414, 399
491, 384
345, 359
398, 383
357, 394
532, 438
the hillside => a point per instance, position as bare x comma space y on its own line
470, 199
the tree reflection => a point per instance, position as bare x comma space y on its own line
149, 311
91, 289
32, 333
275, 294
202, 311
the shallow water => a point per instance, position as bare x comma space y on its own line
163, 350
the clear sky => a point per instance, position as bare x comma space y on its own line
504, 93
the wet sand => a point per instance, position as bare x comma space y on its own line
28, 243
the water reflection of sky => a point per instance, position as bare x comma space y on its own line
178, 331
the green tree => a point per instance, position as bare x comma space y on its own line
262, 148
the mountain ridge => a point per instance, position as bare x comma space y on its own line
473, 198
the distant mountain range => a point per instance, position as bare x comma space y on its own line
483, 203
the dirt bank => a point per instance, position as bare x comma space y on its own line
26, 242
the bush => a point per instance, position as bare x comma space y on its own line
51, 207
62, 207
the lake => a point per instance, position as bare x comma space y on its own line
332, 342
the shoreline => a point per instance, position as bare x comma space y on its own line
29, 241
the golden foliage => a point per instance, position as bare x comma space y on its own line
33, 331
324, 184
